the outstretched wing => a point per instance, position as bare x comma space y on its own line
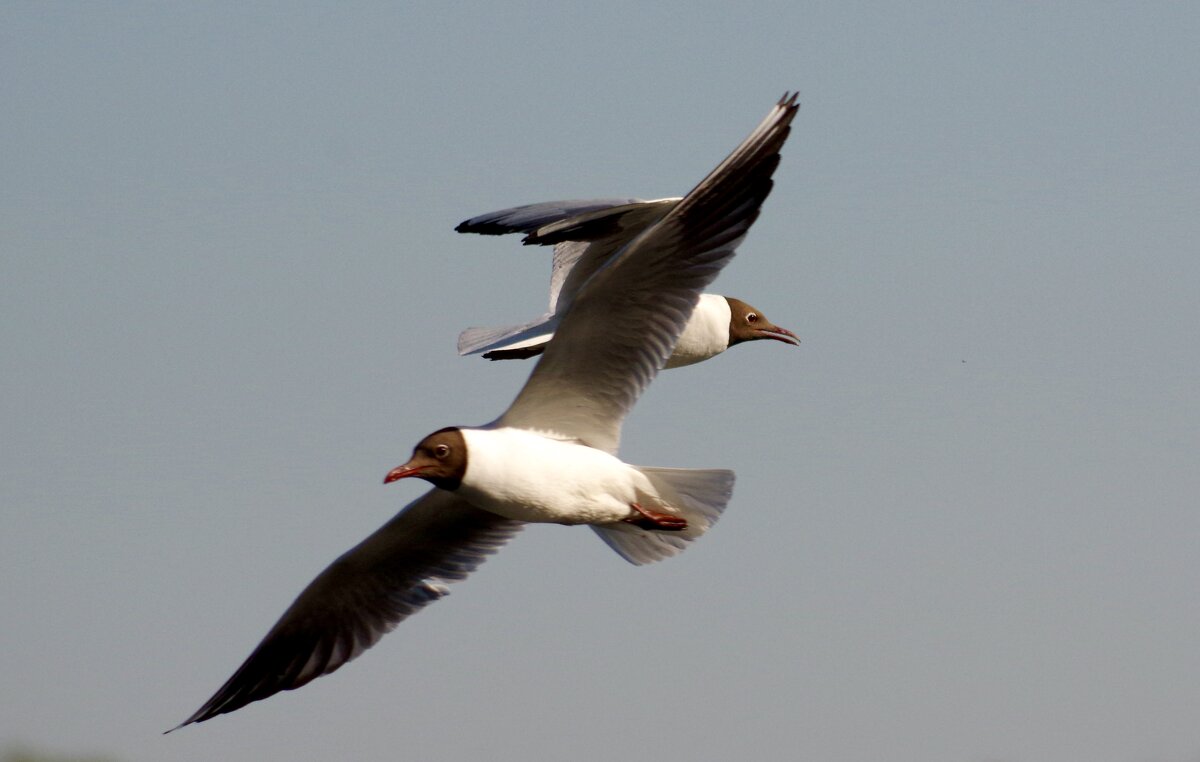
625, 320
585, 242
437, 539
584, 235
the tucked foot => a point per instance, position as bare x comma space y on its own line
647, 519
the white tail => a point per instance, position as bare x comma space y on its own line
475, 340
697, 494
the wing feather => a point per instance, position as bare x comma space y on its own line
363, 595
529, 217
626, 318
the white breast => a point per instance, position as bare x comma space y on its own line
525, 476
706, 333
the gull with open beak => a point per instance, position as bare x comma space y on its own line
551, 457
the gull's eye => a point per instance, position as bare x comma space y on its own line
441, 451
751, 317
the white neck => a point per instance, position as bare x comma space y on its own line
706, 334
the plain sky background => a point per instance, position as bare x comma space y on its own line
966, 521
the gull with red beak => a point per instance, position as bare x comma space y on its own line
551, 457
585, 235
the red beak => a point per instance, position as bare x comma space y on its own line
402, 472
779, 334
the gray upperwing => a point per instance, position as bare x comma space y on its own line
582, 244
584, 235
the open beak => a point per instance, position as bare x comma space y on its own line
779, 334
402, 472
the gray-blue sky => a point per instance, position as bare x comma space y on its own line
965, 525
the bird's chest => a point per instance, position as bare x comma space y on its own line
705, 335
545, 481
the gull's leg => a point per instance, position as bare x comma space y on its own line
647, 519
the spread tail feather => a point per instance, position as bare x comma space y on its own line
697, 494
535, 333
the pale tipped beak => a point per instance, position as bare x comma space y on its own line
779, 334
402, 472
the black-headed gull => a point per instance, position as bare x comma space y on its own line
551, 457
584, 235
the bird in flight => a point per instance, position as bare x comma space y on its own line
551, 456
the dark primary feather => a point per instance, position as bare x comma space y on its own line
530, 217
364, 594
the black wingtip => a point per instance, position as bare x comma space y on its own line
200, 716
482, 228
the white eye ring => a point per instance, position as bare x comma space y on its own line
751, 317
441, 451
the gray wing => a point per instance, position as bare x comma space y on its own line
583, 243
584, 234
403, 566
626, 318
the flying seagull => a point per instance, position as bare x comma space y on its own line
551, 457
585, 234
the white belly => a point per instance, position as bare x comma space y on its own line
528, 477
